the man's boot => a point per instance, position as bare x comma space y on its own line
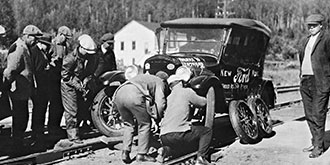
125, 156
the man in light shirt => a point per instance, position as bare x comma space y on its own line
314, 58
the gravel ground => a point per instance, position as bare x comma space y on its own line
284, 148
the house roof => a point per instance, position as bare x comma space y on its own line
217, 23
150, 25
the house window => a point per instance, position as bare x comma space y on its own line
146, 48
122, 45
133, 45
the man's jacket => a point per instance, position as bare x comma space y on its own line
18, 72
320, 59
107, 61
77, 67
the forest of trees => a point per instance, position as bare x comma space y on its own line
96, 17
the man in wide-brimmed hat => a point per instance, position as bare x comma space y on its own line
77, 69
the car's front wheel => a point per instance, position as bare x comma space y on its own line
105, 116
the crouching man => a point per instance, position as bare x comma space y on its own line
177, 133
132, 100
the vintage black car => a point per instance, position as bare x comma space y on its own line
227, 58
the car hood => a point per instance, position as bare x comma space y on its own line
169, 63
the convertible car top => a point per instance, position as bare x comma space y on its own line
216, 23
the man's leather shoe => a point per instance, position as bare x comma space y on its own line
144, 158
202, 161
308, 149
125, 157
317, 151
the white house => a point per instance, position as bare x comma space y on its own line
136, 42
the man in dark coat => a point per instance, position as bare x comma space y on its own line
40, 54
107, 59
315, 81
19, 77
134, 99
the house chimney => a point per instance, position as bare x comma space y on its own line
149, 17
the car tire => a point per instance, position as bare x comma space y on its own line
263, 115
210, 107
105, 116
244, 121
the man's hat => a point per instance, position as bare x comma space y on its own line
65, 31
32, 30
108, 37
315, 19
87, 43
182, 73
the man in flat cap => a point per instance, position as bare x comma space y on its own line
40, 54
19, 79
107, 59
315, 80
59, 51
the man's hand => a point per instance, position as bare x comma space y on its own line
154, 126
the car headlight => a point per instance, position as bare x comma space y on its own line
131, 71
170, 66
147, 66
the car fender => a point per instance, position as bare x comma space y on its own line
202, 83
111, 80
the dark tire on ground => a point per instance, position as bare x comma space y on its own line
263, 115
210, 107
244, 121
105, 116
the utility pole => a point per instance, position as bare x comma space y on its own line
222, 9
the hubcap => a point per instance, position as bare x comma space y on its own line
110, 116
247, 119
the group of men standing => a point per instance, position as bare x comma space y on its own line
45, 70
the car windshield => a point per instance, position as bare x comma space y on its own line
199, 40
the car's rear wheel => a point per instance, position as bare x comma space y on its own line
263, 115
105, 116
244, 121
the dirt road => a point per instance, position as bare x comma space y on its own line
285, 147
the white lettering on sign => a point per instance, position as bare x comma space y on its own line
225, 73
255, 73
235, 86
242, 76
192, 62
